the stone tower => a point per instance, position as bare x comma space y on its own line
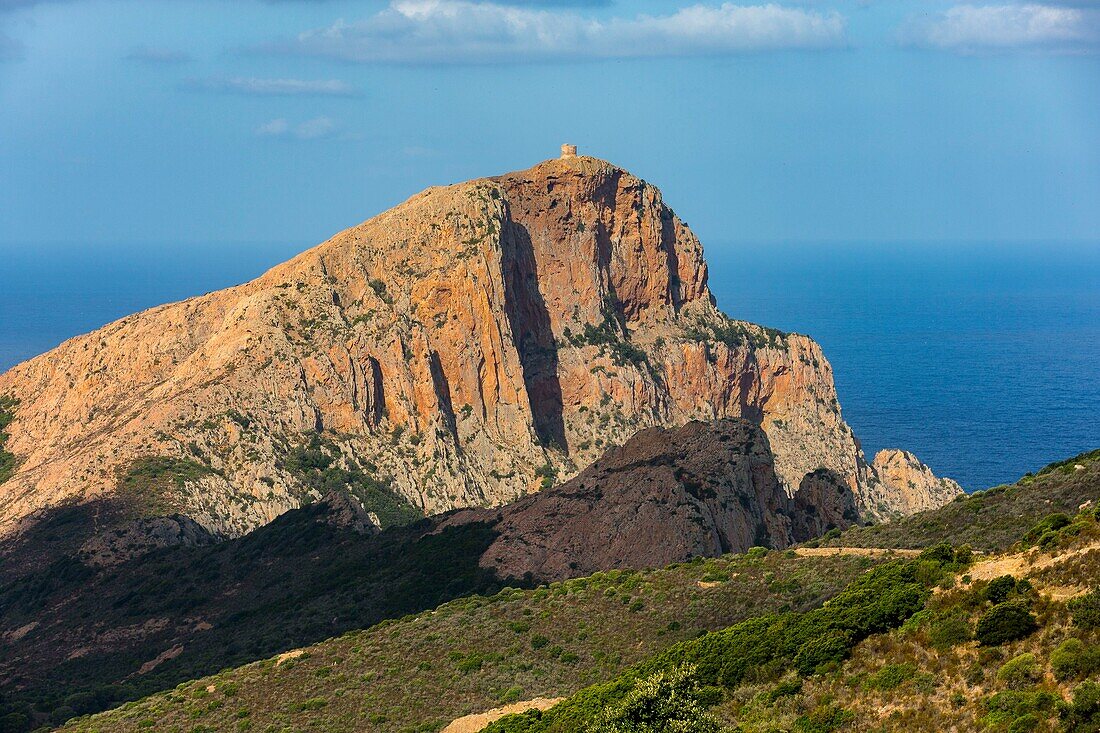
568, 151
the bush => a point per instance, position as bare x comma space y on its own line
8, 460
1086, 610
786, 688
757, 649
1005, 708
999, 589
511, 695
1005, 622
1047, 528
664, 701
1083, 714
942, 553
1024, 723
949, 631
1020, 672
821, 651
891, 676
1073, 660
824, 719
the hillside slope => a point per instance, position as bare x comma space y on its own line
990, 520
116, 618
466, 348
473, 655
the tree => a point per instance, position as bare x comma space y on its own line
664, 702
1005, 622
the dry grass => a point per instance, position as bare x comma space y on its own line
477, 722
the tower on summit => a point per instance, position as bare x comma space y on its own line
568, 151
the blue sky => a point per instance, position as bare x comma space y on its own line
215, 120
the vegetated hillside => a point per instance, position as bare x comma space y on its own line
469, 345
473, 654
117, 618
931, 644
990, 520
940, 642
958, 664
79, 638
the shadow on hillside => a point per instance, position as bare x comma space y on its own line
294, 582
54, 534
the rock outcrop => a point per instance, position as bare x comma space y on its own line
911, 485
822, 503
141, 536
475, 343
665, 496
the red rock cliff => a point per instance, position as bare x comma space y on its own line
471, 343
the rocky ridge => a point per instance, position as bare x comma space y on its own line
911, 485
666, 495
476, 343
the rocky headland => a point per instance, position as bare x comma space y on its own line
475, 344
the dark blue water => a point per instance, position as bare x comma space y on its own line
982, 360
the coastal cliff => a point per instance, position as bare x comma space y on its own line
470, 346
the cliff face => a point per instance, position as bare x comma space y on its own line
665, 496
472, 343
911, 485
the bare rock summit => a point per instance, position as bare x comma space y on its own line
467, 347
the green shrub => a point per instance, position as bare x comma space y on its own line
1020, 672
1006, 707
786, 688
942, 553
8, 460
948, 631
999, 589
1005, 622
512, 694
823, 719
759, 648
1086, 610
1024, 723
1073, 659
820, 652
1047, 527
1082, 715
313, 703
663, 701
472, 663
890, 677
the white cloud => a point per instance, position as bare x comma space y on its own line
990, 27
251, 86
276, 127
312, 129
315, 128
437, 31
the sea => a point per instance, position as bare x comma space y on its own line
983, 359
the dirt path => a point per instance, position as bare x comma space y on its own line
478, 721
864, 551
1022, 563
